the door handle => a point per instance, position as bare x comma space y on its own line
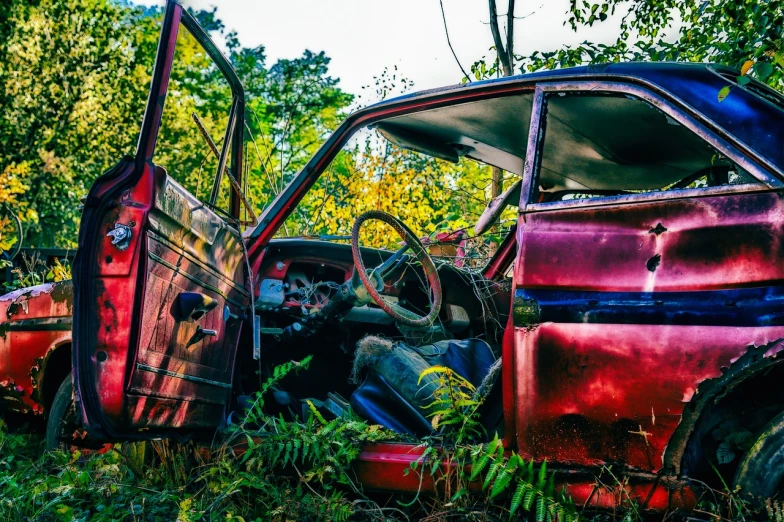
200, 334
192, 306
204, 332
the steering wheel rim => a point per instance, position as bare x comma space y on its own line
403, 316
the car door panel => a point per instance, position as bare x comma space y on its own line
704, 243
140, 366
612, 322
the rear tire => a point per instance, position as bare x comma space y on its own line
61, 416
761, 472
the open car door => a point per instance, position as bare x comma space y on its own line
160, 276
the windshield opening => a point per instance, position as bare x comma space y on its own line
436, 171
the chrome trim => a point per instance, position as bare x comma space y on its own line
46, 324
605, 201
183, 376
531, 170
531, 164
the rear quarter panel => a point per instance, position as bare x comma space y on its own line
33, 322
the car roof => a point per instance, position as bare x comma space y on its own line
752, 114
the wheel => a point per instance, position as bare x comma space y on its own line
61, 422
761, 472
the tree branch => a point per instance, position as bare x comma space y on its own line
503, 57
446, 31
510, 38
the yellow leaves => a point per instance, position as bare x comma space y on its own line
429, 196
59, 271
12, 182
746, 67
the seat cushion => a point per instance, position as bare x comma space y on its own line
390, 394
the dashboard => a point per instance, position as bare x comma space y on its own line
300, 277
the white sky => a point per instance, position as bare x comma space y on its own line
364, 36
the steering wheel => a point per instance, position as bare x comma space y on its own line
412, 242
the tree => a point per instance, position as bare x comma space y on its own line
74, 76
746, 35
60, 61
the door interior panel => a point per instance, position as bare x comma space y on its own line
188, 248
158, 315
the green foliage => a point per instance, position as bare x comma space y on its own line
59, 486
745, 35
73, 82
74, 78
527, 487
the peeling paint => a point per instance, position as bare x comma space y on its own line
754, 361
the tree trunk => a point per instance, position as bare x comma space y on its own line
506, 58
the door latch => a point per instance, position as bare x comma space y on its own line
121, 236
200, 334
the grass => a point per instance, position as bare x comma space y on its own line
302, 471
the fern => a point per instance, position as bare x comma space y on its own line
454, 406
541, 510
505, 476
517, 499
531, 488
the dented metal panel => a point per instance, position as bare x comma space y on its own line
34, 321
623, 343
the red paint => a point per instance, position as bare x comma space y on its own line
25, 347
580, 394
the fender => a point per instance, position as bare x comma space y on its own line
756, 361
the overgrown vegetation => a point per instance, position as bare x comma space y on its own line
268, 468
33, 270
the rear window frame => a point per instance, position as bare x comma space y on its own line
537, 134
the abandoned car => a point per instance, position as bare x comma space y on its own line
631, 316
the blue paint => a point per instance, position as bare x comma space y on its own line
738, 307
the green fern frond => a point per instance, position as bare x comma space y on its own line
517, 499
549, 490
530, 495
542, 478
479, 465
541, 510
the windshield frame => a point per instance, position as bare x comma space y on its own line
272, 217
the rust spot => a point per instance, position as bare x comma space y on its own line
658, 229
35, 371
653, 263
710, 391
62, 292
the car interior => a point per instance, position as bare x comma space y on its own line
368, 353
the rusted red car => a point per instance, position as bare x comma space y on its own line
636, 305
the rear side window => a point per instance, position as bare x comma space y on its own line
603, 145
